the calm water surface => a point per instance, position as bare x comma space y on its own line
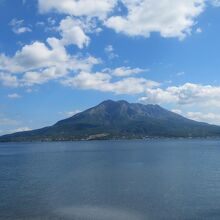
110, 180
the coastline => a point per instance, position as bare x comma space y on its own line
114, 139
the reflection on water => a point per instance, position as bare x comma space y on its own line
101, 180
97, 213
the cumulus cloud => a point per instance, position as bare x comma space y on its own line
187, 94
133, 85
127, 71
95, 8
211, 118
18, 26
177, 111
38, 63
87, 80
170, 18
103, 82
9, 80
39, 55
42, 76
208, 117
72, 32
33, 56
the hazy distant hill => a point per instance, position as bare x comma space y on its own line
119, 119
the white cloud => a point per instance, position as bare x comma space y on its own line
208, 117
14, 96
103, 82
126, 71
42, 76
72, 32
158, 96
187, 94
18, 26
9, 80
170, 18
38, 63
86, 80
211, 118
95, 8
177, 111
33, 56
133, 85
38, 55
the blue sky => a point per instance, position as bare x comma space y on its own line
61, 57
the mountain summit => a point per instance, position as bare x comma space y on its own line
119, 119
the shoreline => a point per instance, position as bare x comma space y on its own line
115, 139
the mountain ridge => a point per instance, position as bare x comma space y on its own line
119, 120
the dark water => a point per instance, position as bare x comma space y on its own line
110, 180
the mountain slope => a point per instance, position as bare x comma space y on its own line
119, 119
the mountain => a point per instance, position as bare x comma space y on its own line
118, 120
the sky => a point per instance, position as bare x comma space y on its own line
58, 58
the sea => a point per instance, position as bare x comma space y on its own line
161, 179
